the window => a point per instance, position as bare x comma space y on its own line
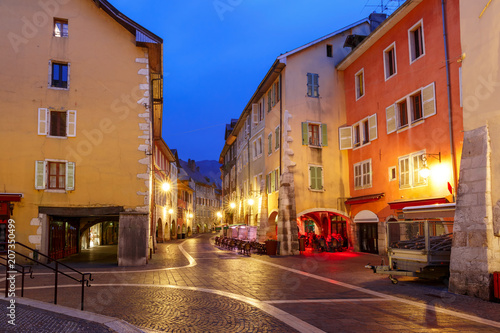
55, 175
409, 170
257, 148
402, 114
363, 175
392, 173
60, 28
273, 181
261, 110
390, 61
270, 144
275, 90
329, 51
416, 41
416, 107
359, 134
315, 177
312, 85
269, 101
56, 123
360, 84
314, 134
59, 74
278, 136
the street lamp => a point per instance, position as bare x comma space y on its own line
166, 186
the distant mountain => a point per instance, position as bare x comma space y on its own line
205, 169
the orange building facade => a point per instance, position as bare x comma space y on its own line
404, 114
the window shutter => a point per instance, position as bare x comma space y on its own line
70, 176
390, 114
270, 143
269, 106
312, 177
274, 94
43, 121
345, 137
305, 134
40, 177
273, 181
372, 124
309, 84
429, 101
324, 136
277, 179
255, 113
71, 123
277, 134
268, 187
319, 178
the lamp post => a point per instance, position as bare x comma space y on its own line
250, 204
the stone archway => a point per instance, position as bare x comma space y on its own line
159, 231
272, 229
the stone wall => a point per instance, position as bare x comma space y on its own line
475, 252
133, 239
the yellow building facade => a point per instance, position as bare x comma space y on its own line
79, 86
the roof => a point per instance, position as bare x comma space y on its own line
196, 175
165, 150
141, 34
379, 32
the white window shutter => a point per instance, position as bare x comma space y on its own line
71, 123
43, 121
372, 124
70, 176
40, 177
429, 100
345, 137
255, 113
390, 114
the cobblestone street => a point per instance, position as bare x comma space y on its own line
192, 286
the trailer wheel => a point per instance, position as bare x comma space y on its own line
393, 280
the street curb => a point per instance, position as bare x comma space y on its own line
118, 325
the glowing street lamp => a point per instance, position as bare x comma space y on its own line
166, 186
232, 205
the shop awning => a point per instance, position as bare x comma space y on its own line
400, 204
430, 211
11, 196
364, 199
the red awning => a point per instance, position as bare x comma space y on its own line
10, 196
364, 198
400, 204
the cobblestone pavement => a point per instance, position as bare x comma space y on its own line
192, 286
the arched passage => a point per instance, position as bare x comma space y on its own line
272, 230
159, 231
327, 223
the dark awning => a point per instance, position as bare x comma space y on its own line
364, 198
400, 204
430, 211
11, 196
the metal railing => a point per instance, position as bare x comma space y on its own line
85, 278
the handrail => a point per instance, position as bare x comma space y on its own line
22, 271
85, 281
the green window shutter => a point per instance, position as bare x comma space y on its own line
40, 178
324, 136
70, 176
278, 137
277, 179
312, 177
273, 181
270, 143
268, 187
269, 105
305, 133
319, 178
274, 94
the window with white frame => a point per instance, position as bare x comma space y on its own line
363, 174
359, 134
416, 41
312, 85
316, 177
314, 134
412, 109
54, 175
58, 75
390, 65
392, 173
409, 170
360, 84
56, 123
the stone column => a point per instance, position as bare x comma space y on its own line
133, 239
287, 216
474, 243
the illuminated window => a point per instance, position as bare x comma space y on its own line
60, 28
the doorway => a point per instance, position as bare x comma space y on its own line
368, 237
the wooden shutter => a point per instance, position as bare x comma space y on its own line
43, 121
273, 181
315, 85
277, 134
273, 90
429, 100
324, 136
255, 113
372, 124
270, 143
345, 137
390, 114
305, 133
40, 176
71, 123
319, 178
70, 176
309, 84
268, 185
312, 177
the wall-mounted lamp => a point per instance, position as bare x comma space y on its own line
425, 172
166, 186
232, 205
11, 207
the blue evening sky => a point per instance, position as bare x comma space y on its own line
216, 52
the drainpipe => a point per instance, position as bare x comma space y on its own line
281, 123
450, 117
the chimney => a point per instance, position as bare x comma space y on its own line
192, 165
376, 19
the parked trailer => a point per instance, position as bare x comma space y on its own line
419, 248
